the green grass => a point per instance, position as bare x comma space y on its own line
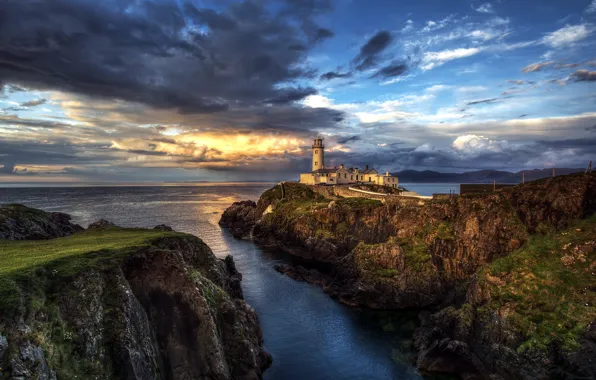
293, 191
25, 254
548, 284
63, 257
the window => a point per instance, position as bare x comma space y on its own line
351, 178
316, 163
369, 179
316, 151
345, 175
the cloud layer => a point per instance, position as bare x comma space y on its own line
225, 90
163, 54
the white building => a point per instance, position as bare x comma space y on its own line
341, 175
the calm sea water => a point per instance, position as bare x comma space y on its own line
309, 335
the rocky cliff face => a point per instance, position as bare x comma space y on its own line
18, 222
396, 255
158, 306
531, 314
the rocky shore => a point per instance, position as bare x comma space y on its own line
472, 264
112, 302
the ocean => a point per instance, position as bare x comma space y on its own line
309, 335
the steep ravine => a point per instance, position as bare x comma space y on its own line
400, 255
116, 303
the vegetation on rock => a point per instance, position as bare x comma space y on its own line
123, 303
547, 289
507, 256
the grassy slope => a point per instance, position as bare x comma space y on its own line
547, 289
65, 256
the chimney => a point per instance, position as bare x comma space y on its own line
341, 166
366, 167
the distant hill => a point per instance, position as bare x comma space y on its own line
479, 176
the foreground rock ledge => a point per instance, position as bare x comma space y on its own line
158, 306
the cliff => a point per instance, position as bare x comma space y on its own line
110, 303
529, 315
403, 255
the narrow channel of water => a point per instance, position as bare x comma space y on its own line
310, 336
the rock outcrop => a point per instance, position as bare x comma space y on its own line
159, 306
396, 255
163, 227
18, 222
102, 223
240, 218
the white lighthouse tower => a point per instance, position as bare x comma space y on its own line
318, 154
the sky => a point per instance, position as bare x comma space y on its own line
218, 90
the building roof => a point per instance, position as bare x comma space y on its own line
367, 171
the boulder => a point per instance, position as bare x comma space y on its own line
163, 227
102, 223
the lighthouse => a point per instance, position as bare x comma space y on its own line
342, 175
318, 154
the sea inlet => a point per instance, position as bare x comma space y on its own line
309, 335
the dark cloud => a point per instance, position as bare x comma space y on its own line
367, 63
586, 143
15, 109
376, 44
289, 95
147, 152
322, 34
584, 76
34, 103
345, 140
164, 140
567, 65
395, 157
211, 18
15, 120
369, 53
23, 152
188, 58
492, 100
392, 70
335, 75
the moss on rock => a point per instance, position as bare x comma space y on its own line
113, 303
